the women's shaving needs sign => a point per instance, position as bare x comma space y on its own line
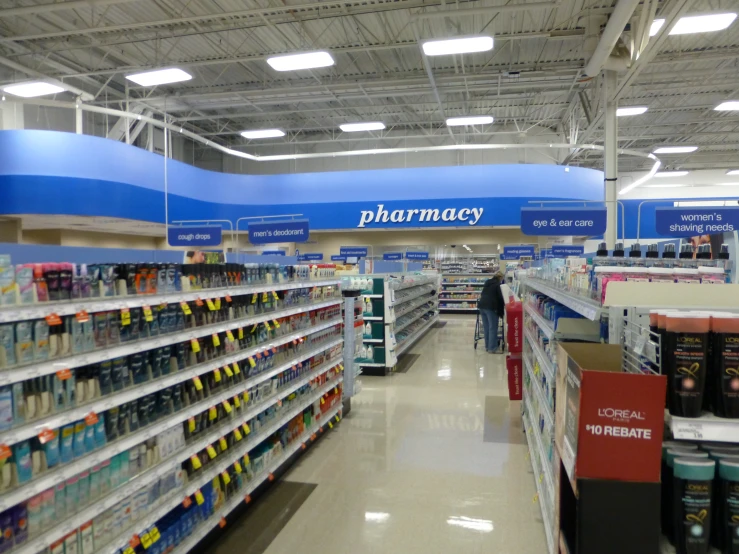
470, 216
563, 221
688, 222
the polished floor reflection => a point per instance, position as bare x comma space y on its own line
431, 460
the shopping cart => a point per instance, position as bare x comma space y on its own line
480, 331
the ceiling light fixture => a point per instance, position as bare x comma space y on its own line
296, 62
635, 110
662, 174
31, 90
159, 77
702, 23
727, 184
645, 178
355, 127
665, 186
729, 106
461, 45
733, 172
656, 26
263, 133
675, 150
469, 120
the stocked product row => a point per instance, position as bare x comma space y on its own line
460, 292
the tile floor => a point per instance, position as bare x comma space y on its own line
431, 460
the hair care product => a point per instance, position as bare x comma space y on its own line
693, 487
669, 453
686, 361
725, 533
725, 364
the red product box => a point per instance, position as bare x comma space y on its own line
514, 321
514, 365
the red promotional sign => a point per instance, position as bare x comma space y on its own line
514, 321
514, 365
621, 421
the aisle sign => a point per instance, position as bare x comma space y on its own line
316, 257
392, 256
517, 252
336, 258
563, 221
416, 255
353, 251
266, 232
209, 235
273, 253
565, 250
688, 222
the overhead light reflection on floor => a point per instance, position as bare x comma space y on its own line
444, 374
482, 525
378, 517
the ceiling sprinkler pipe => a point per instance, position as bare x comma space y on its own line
615, 27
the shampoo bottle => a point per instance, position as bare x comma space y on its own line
693, 488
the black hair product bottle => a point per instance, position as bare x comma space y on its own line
693, 489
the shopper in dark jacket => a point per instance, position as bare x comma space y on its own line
492, 308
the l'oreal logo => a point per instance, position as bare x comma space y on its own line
689, 339
699, 488
467, 215
625, 415
732, 339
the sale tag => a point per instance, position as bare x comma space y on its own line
185, 308
228, 298
91, 419
246, 429
246, 459
237, 402
199, 497
198, 383
64, 374
229, 372
341, 366
211, 306
337, 419
195, 345
53, 319
5, 452
241, 333
46, 435
258, 356
230, 336
191, 424
148, 316
82, 316
217, 375
187, 502
211, 451
217, 302
125, 316
237, 468
222, 523
271, 477
227, 406
336, 390
129, 550
195, 462
212, 413
252, 363
237, 371
237, 434
223, 444
134, 542
264, 297
247, 499
216, 340
198, 302
322, 401
226, 478
274, 350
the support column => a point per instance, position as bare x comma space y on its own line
78, 118
611, 156
11, 115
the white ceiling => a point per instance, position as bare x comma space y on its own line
531, 82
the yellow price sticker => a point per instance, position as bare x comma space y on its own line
129, 550
154, 534
245, 396
237, 402
336, 390
246, 459
195, 345
322, 401
223, 444
237, 371
210, 304
241, 333
212, 413
254, 299
237, 434
195, 462
266, 324
229, 372
276, 323
216, 340
252, 363
226, 478
246, 429
191, 424
146, 541
211, 451
341, 367
218, 303
338, 419
217, 375
227, 406
185, 308
148, 316
199, 497
198, 383
230, 336
264, 297
274, 295
125, 316
330, 425
237, 468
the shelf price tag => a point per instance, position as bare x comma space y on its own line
195, 462
198, 302
229, 372
252, 363
228, 298
185, 308
254, 298
129, 550
186, 503
154, 534
237, 434
322, 401
217, 303
247, 499
237, 402
46, 435
223, 444
241, 333
199, 497
266, 324
226, 478
212, 413
217, 375
245, 396
197, 382
227, 406
211, 306
264, 297
64, 374
191, 424
222, 523
216, 340
211, 451
146, 541
246, 459
134, 541
82, 316
330, 425
53, 319
5, 452
236, 368
195, 345
246, 429
148, 316
237, 468
125, 316
274, 295
230, 336
91, 419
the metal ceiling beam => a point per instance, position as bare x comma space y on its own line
530, 6
39, 9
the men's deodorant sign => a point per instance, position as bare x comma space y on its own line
688, 222
194, 236
563, 221
266, 232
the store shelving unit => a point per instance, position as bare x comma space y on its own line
408, 304
460, 291
236, 397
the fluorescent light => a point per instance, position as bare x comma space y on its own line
662, 174
474, 524
703, 23
665, 186
263, 133
656, 26
733, 172
636, 110
645, 178
727, 184
354, 127
675, 150
730, 106
704, 204
470, 120
306, 60
462, 45
376, 516
31, 90
159, 77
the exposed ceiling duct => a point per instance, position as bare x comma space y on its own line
608, 52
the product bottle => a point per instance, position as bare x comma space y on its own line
368, 330
723, 258
42, 292
725, 364
725, 535
677, 448
65, 281
668, 255
652, 255
635, 255
693, 488
687, 361
669, 501
686, 257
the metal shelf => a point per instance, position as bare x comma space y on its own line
22, 312
457, 309
372, 318
372, 295
457, 300
403, 346
543, 399
544, 362
457, 283
410, 297
374, 341
584, 306
22, 373
421, 313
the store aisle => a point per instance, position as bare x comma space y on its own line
430, 460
